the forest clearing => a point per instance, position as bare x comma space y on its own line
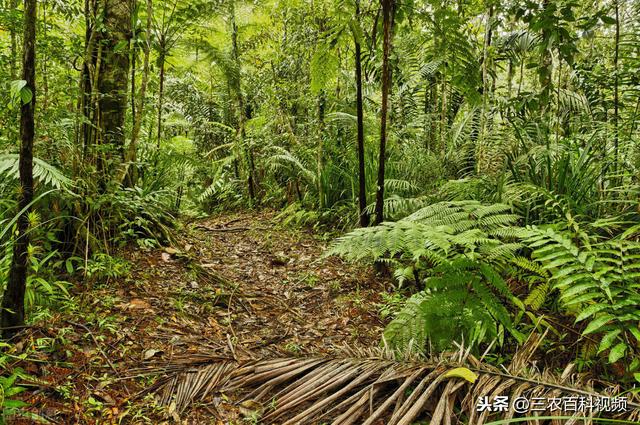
377, 212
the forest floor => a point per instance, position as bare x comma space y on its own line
234, 285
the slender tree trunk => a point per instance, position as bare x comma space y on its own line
510, 74
13, 5
12, 313
387, 22
616, 84
45, 72
433, 112
546, 70
87, 80
374, 32
160, 93
133, 48
320, 153
362, 181
241, 105
473, 165
141, 97
485, 68
442, 125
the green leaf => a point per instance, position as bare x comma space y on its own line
19, 90
608, 339
324, 67
16, 86
590, 311
26, 95
617, 352
13, 391
607, 19
14, 404
597, 324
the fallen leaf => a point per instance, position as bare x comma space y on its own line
462, 372
138, 303
150, 353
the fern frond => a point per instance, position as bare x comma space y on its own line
44, 172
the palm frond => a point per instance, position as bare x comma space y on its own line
44, 172
369, 387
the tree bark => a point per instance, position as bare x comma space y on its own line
241, 105
86, 82
13, 5
12, 314
387, 23
616, 84
362, 182
113, 79
320, 153
139, 107
45, 72
546, 69
161, 59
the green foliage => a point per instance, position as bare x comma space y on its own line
553, 181
449, 247
437, 233
324, 67
463, 301
143, 215
9, 406
99, 266
43, 288
598, 282
42, 171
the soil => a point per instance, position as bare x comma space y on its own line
236, 285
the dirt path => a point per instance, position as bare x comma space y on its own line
233, 285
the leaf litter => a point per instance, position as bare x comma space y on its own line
244, 291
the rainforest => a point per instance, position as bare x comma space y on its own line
380, 212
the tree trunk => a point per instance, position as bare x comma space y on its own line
387, 23
616, 84
139, 107
13, 5
86, 81
241, 106
546, 69
320, 153
45, 72
362, 182
113, 79
12, 313
485, 69
161, 59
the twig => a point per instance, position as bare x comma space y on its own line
95, 341
231, 229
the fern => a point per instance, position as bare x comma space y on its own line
598, 282
463, 299
437, 232
453, 247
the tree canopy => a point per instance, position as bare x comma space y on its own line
479, 159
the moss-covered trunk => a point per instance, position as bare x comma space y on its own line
113, 80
